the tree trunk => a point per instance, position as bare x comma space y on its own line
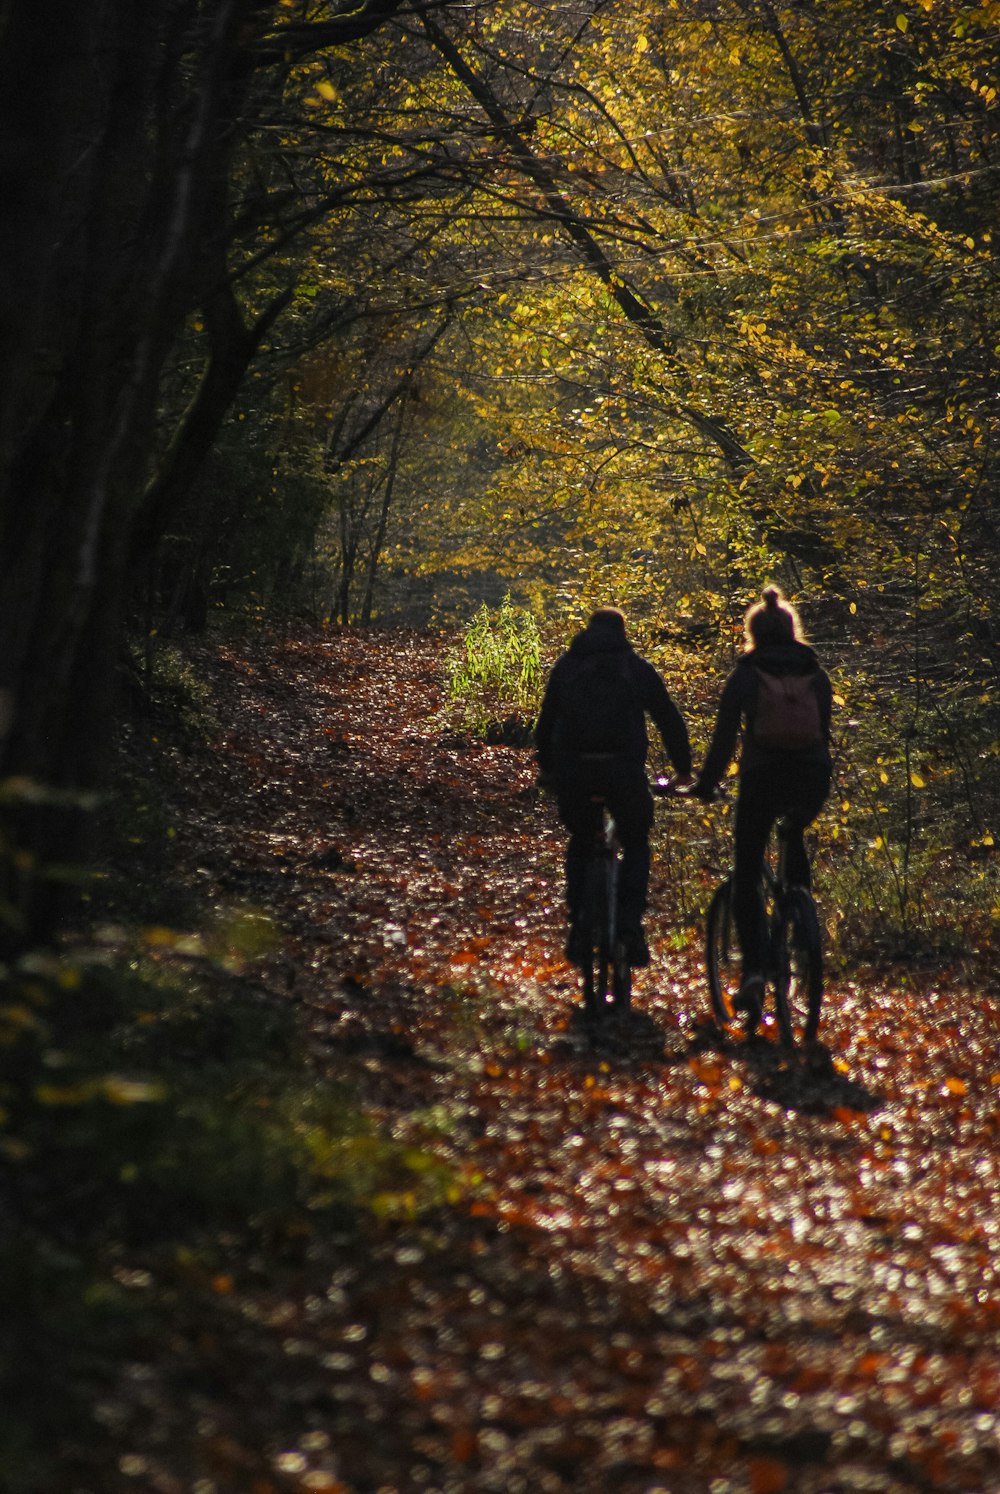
97, 269
377, 540
119, 121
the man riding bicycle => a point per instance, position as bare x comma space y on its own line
592, 742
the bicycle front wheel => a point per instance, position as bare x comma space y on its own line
799, 980
722, 955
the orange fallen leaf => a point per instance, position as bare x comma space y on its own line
768, 1476
463, 1446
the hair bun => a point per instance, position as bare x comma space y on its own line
772, 621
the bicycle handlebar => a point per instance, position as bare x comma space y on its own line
665, 786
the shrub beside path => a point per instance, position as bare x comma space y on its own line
647, 1264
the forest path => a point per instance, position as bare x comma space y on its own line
661, 1267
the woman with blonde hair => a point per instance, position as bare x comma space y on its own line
782, 699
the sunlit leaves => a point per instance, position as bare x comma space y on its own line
117, 1089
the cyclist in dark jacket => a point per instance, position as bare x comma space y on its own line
591, 738
775, 779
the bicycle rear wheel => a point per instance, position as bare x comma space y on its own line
597, 959
617, 953
722, 955
799, 969
621, 977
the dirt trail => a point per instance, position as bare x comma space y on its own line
665, 1266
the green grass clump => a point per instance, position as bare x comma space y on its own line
495, 674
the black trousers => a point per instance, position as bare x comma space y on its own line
623, 785
796, 790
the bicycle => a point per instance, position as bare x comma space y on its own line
597, 939
607, 969
794, 954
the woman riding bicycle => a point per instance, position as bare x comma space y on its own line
783, 698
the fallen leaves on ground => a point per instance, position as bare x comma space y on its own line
670, 1263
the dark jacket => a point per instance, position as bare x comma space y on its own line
650, 693
738, 705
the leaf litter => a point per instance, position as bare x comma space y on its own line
666, 1261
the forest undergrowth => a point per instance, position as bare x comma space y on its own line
377, 1216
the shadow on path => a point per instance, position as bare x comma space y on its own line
807, 1080
628, 1038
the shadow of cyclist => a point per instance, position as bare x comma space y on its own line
805, 1080
624, 1036
809, 1082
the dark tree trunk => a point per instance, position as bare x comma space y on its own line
119, 125
118, 119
